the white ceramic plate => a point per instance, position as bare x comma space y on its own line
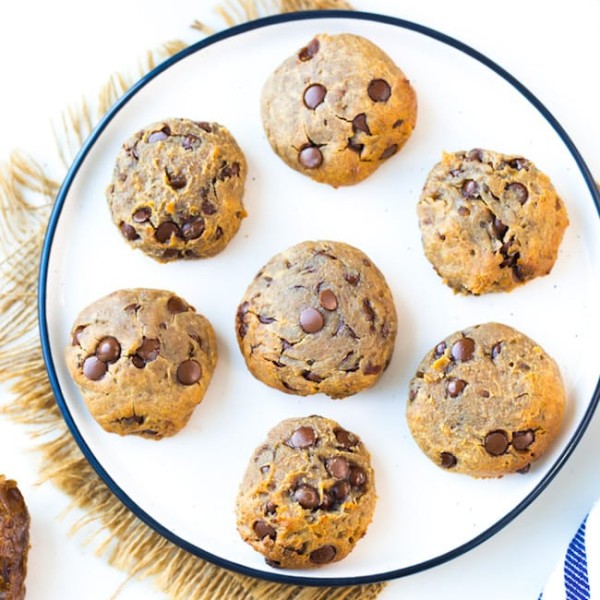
185, 487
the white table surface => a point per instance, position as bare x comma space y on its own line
54, 54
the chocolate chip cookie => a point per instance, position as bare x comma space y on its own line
177, 189
318, 317
337, 109
489, 221
15, 524
143, 360
486, 401
308, 494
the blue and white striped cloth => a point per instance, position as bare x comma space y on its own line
577, 575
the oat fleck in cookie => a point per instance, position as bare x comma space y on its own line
177, 189
318, 317
489, 221
143, 360
486, 401
308, 494
337, 109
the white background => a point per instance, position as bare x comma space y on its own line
55, 54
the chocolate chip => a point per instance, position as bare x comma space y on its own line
447, 460
368, 310
135, 420
141, 215
357, 477
309, 51
157, 136
510, 260
176, 180
314, 95
176, 305
413, 391
323, 555
266, 320
270, 508
470, 189
398, 123
352, 278
463, 349
108, 350
76, 339
517, 271
208, 208
310, 157
328, 300
352, 145
263, 530
149, 350
518, 191
340, 491
311, 320
228, 171
499, 228
165, 230
138, 361
242, 326
475, 154
496, 442
192, 228
463, 211
371, 369
170, 253
379, 90
519, 163
205, 126
310, 376
389, 151
275, 564
306, 496
303, 437
439, 350
93, 368
189, 372
359, 123
128, 232
190, 141
328, 501
496, 349
455, 387
521, 440
337, 467
345, 438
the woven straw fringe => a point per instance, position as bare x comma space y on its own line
26, 199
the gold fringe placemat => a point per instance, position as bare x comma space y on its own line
27, 195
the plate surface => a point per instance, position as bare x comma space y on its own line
185, 487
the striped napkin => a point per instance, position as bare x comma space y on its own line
577, 575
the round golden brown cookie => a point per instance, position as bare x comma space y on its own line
337, 109
486, 401
177, 189
318, 317
143, 360
489, 222
308, 494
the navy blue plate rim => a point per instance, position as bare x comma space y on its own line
43, 295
